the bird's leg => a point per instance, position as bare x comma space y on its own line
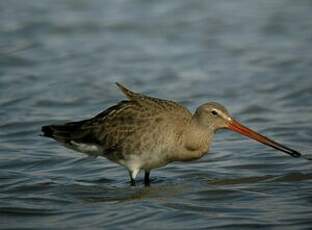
146, 178
132, 175
132, 181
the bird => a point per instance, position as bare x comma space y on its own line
143, 133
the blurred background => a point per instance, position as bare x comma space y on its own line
59, 61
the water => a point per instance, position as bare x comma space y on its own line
58, 62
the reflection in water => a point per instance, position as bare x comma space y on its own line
119, 194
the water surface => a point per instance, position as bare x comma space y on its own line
58, 62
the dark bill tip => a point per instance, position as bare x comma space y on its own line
239, 128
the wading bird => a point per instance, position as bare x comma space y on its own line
144, 133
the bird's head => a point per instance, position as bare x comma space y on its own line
214, 116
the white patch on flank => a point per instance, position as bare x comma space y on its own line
90, 149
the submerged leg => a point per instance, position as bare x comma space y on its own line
132, 175
132, 180
147, 181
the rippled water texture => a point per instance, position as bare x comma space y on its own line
58, 62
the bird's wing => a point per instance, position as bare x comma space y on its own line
107, 129
159, 105
110, 128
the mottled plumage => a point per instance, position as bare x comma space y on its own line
143, 133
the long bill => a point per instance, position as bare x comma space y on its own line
241, 129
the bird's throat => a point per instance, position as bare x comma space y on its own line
197, 141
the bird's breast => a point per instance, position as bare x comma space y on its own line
193, 145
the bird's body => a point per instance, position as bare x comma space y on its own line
143, 133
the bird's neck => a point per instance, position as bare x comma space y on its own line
196, 141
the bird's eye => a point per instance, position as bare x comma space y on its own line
214, 112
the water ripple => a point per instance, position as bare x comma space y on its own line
58, 62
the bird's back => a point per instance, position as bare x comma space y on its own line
133, 126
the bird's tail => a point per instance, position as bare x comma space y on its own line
73, 136
62, 133
47, 131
